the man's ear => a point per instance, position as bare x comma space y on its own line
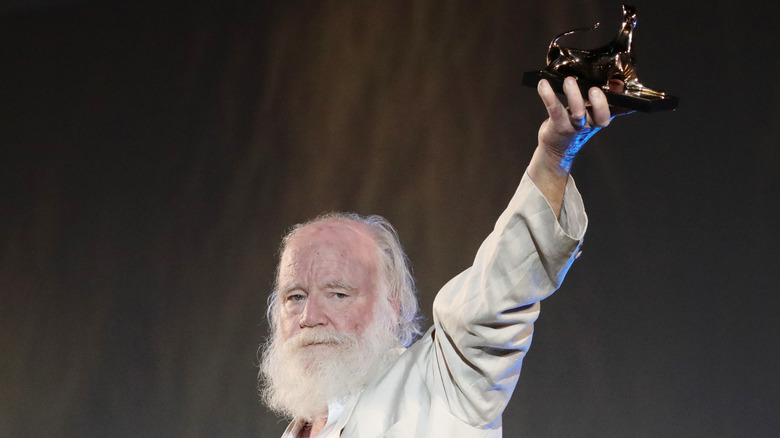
395, 303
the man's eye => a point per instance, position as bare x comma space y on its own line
296, 297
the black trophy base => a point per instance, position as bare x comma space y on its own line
646, 104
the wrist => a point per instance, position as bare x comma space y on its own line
550, 160
550, 174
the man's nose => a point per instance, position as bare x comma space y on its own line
313, 313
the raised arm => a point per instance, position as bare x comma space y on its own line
562, 136
483, 318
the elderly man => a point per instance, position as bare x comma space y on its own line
340, 359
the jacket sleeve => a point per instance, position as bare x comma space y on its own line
483, 318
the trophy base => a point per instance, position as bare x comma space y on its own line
646, 103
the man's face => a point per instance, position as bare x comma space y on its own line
328, 279
334, 333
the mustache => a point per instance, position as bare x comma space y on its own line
314, 336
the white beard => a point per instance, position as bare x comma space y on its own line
300, 379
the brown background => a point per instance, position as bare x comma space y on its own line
152, 154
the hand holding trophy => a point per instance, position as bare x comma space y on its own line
611, 68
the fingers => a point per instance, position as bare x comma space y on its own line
581, 113
577, 109
555, 109
599, 108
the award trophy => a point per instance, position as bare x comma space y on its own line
613, 63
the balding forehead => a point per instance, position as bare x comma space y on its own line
339, 234
328, 252
338, 229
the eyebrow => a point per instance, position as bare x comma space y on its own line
288, 287
339, 284
332, 284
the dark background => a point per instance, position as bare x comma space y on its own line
152, 154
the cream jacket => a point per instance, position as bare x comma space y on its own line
457, 379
